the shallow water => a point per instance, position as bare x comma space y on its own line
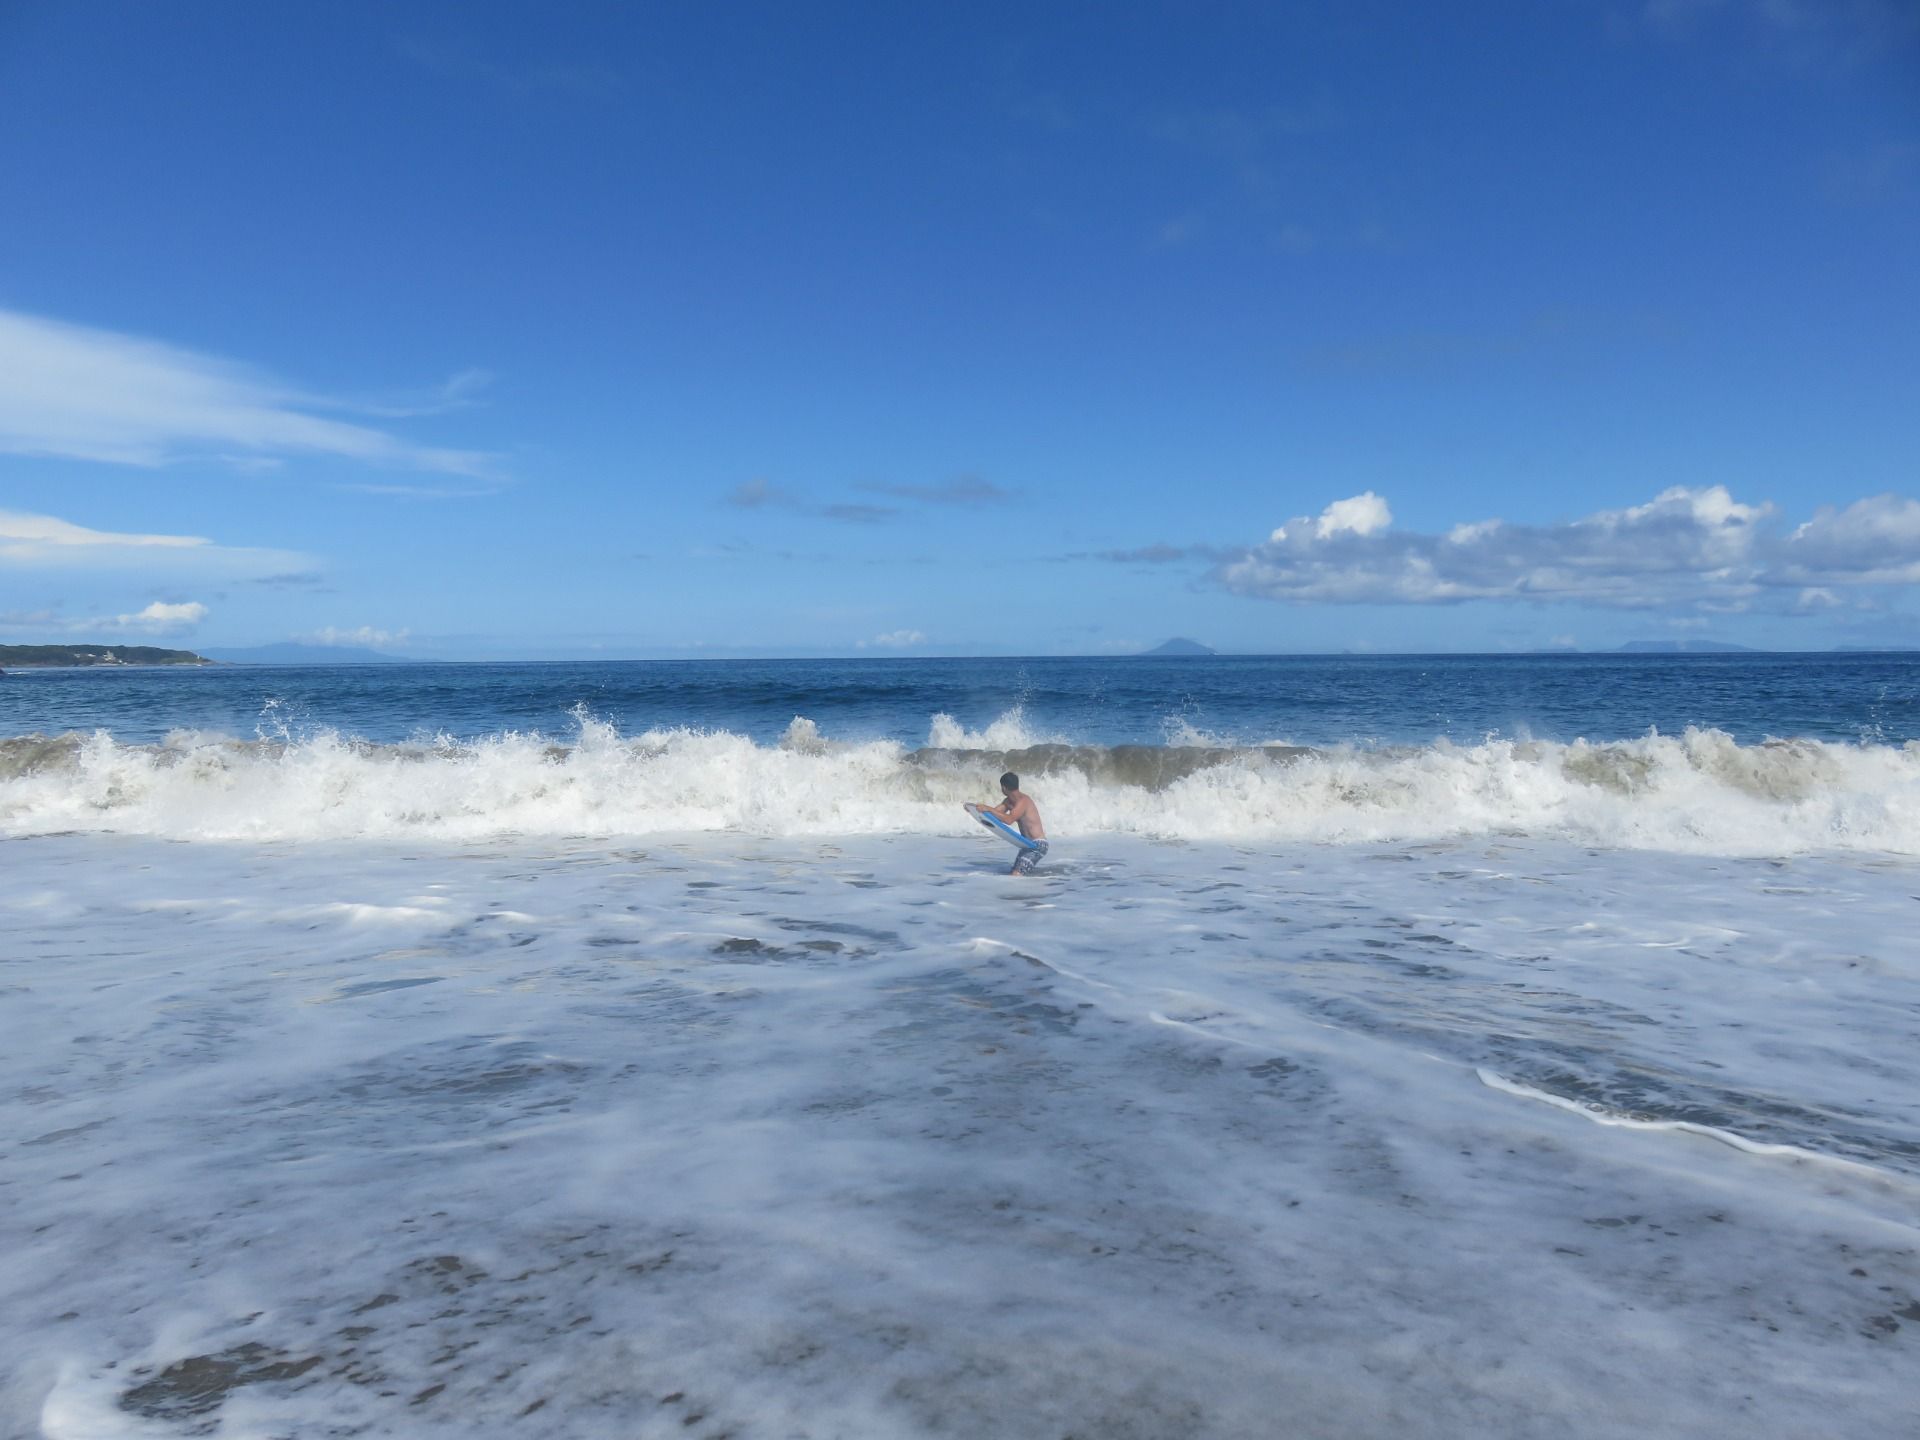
708, 1134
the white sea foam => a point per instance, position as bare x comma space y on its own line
1008, 731
729, 1135
1697, 792
1601, 1115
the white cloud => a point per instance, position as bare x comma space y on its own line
161, 618
22, 535
1688, 548
893, 640
366, 635
46, 542
1361, 514
76, 393
1871, 541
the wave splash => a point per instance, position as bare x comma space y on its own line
1699, 791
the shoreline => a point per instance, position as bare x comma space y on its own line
806, 1136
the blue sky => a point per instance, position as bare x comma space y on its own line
521, 331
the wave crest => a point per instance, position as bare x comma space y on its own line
1699, 791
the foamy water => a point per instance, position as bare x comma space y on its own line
1700, 791
660, 1051
715, 1135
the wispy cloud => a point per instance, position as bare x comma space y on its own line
892, 640
589, 79
22, 535
1264, 149
764, 495
45, 542
1686, 549
966, 490
76, 393
1880, 173
757, 494
855, 512
457, 392
1546, 333
460, 490
1159, 553
371, 637
1843, 31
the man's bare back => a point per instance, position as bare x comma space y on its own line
1017, 808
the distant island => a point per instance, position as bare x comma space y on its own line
69, 657
1180, 646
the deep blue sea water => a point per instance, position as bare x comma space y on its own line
1306, 700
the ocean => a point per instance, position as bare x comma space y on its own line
1388, 1046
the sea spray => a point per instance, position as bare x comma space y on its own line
1699, 791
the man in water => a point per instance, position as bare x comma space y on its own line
1018, 809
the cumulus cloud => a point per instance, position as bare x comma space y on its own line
893, 640
1871, 541
1687, 548
1361, 515
76, 393
46, 542
162, 617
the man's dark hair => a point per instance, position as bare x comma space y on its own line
1009, 781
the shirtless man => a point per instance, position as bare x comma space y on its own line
1018, 809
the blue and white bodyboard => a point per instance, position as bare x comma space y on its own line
1004, 831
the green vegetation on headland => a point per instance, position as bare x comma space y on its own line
24, 657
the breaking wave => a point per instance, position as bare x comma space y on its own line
1699, 791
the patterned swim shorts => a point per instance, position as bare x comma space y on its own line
1030, 858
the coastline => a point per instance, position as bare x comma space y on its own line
97, 657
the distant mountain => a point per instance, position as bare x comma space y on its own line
1178, 646
1679, 647
67, 657
289, 653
